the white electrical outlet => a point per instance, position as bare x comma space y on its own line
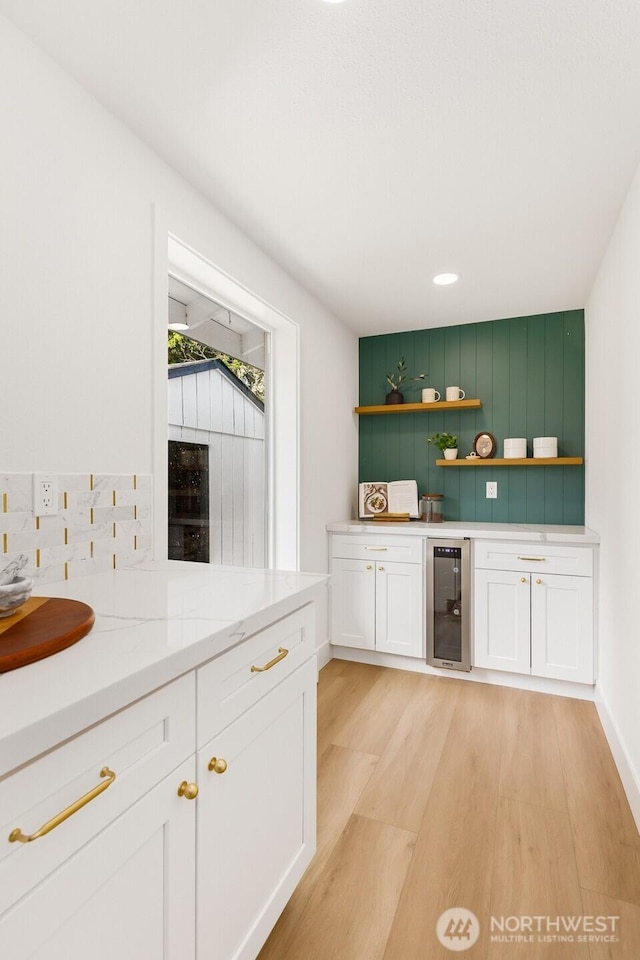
45, 495
492, 490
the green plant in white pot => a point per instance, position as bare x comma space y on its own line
447, 443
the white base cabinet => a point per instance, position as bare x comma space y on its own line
377, 594
399, 609
353, 604
256, 820
533, 602
502, 621
562, 623
156, 851
532, 621
127, 893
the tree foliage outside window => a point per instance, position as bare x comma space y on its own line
183, 349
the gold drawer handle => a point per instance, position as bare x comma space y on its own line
188, 790
18, 836
282, 653
534, 559
376, 548
217, 765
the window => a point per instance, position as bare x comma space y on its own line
281, 343
217, 502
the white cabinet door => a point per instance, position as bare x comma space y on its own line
256, 818
353, 591
400, 609
502, 614
562, 627
129, 892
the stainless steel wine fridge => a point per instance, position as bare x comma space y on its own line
448, 604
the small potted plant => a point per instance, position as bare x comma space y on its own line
447, 443
398, 380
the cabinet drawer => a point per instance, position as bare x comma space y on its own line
369, 546
227, 686
140, 745
548, 558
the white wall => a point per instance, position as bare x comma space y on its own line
612, 320
77, 191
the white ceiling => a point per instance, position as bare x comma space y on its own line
370, 144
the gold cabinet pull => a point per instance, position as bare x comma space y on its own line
188, 790
523, 579
217, 765
534, 559
538, 580
18, 836
369, 566
376, 548
282, 653
381, 569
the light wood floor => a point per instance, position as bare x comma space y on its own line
436, 793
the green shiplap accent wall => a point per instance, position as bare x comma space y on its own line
529, 374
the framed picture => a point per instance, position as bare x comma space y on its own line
484, 445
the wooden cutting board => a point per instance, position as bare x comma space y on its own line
41, 627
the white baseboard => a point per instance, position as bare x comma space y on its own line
499, 678
628, 774
324, 654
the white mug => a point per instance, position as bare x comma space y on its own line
429, 395
455, 393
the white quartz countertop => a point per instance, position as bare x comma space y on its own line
153, 623
535, 532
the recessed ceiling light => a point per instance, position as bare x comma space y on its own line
444, 279
178, 326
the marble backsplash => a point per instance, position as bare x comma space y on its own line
104, 522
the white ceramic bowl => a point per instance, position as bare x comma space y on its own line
14, 594
515, 448
545, 442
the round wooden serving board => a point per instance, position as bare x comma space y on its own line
41, 627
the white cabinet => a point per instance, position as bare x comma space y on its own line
256, 818
502, 621
101, 880
529, 620
377, 594
256, 771
129, 892
399, 609
353, 603
562, 624
129, 863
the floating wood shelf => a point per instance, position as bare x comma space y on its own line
421, 407
519, 462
